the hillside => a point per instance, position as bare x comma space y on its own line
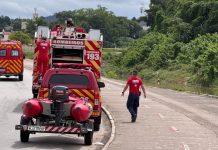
180, 50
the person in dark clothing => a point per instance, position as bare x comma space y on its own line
134, 83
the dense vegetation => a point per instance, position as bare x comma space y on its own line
181, 46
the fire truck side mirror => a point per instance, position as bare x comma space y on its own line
101, 84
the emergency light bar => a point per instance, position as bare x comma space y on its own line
71, 65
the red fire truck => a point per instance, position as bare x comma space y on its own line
74, 47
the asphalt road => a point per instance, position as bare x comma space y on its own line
12, 95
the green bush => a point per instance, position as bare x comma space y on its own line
24, 38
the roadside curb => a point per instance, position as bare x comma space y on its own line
113, 128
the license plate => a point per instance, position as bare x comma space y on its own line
36, 128
2, 69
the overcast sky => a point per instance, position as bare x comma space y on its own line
25, 8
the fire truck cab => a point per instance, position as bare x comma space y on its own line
11, 59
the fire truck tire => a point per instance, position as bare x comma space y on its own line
88, 138
97, 123
20, 77
24, 135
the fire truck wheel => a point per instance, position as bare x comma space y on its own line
88, 138
20, 77
97, 123
24, 135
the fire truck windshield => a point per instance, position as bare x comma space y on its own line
69, 79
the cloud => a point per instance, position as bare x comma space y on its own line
25, 8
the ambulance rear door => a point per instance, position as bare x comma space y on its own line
15, 62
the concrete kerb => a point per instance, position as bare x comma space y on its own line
108, 114
113, 128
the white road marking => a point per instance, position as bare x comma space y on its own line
184, 146
161, 116
174, 129
98, 143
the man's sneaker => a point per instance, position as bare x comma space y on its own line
134, 118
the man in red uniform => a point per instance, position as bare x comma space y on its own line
134, 83
43, 47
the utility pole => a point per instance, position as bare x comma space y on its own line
35, 14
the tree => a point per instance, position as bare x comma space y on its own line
16, 24
24, 38
4, 21
111, 26
32, 25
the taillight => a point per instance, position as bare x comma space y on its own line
97, 105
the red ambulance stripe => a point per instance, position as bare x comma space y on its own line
80, 94
67, 130
91, 98
51, 129
94, 64
14, 69
91, 91
48, 128
18, 46
10, 70
87, 95
13, 65
14, 46
19, 62
93, 45
57, 130
17, 65
70, 129
4, 63
62, 129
